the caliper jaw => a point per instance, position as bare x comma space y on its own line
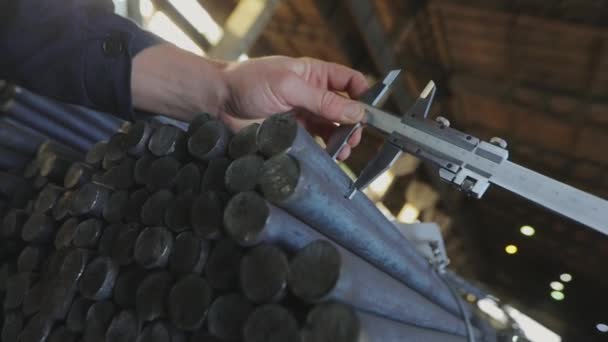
375, 96
391, 149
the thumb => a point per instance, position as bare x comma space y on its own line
327, 104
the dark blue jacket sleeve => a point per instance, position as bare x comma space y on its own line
76, 51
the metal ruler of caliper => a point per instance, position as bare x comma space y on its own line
463, 160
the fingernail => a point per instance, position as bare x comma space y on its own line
353, 112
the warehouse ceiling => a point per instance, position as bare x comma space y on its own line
532, 72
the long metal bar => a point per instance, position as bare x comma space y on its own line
322, 272
11, 160
308, 194
39, 122
18, 139
271, 323
263, 274
337, 322
105, 122
251, 220
61, 114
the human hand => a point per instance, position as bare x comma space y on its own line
261, 87
166, 79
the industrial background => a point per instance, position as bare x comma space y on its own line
532, 72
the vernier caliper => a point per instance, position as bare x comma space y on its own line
463, 160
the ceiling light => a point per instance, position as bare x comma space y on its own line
533, 330
601, 327
511, 249
557, 295
527, 230
408, 214
557, 286
566, 277
491, 308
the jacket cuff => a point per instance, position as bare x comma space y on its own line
107, 62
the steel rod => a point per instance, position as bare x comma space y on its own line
151, 294
244, 142
90, 200
222, 270
189, 300
161, 173
98, 279
153, 210
214, 175
339, 323
126, 286
207, 213
124, 327
98, 320
271, 323
77, 174
108, 123
189, 255
39, 122
227, 316
61, 114
307, 194
115, 209
243, 173
11, 160
188, 179
177, 215
251, 220
76, 318
263, 274
138, 137
18, 139
61, 210
322, 272
209, 141
153, 247
168, 140
96, 153
88, 233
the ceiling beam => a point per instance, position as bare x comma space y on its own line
243, 27
380, 49
567, 106
167, 8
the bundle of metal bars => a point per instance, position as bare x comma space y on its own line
159, 233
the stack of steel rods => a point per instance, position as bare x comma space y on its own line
72, 126
160, 233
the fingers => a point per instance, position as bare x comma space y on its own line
298, 93
355, 139
344, 153
337, 77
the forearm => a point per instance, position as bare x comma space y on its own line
179, 84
